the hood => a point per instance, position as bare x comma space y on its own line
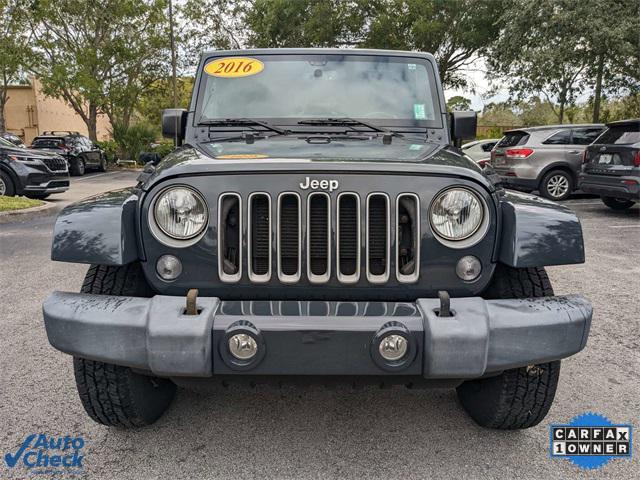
312, 153
27, 152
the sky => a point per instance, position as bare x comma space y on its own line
476, 73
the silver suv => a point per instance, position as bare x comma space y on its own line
547, 159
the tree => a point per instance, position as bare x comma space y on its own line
99, 56
538, 51
14, 49
457, 103
457, 32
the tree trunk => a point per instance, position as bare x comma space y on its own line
92, 122
597, 94
3, 102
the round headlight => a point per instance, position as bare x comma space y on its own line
180, 213
456, 214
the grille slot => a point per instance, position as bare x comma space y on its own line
348, 233
318, 238
407, 238
229, 237
259, 233
289, 238
378, 226
55, 164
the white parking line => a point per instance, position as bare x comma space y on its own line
93, 176
625, 226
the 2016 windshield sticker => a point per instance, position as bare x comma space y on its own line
419, 112
234, 67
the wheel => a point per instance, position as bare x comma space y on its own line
556, 185
520, 397
6, 185
37, 196
103, 164
77, 166
618, 203
111, 394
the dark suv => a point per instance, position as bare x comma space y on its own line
32, 173
80, 152
611, 165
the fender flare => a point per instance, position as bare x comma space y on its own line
537, 232
98, 230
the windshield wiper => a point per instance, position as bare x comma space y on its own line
348, 122
248, 122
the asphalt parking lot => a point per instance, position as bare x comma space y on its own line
301, 433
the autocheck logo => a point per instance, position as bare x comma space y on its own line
314, 184
46, 454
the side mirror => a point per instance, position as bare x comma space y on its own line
463, 126
174, 122
149, 157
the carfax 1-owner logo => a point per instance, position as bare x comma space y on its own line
591, 440
47, 454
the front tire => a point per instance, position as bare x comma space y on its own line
618, 203
114, 395
556, 185
103, 164
520, 397
6, 185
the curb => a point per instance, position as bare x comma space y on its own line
27, 213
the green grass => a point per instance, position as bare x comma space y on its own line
17, 203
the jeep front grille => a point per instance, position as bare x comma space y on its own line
331, 231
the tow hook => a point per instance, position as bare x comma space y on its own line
192, 298
445, 304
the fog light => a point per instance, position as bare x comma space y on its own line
468, 268
393, 347
243, 346
169, 267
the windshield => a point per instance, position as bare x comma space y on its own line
388, 90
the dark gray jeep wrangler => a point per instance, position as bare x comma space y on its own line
317, 223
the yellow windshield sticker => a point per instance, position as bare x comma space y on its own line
234, 67
242, 156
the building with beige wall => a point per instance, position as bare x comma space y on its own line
29, 113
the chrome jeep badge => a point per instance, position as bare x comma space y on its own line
314, 184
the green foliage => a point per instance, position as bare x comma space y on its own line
163, 148
159, 95
458, 103
560, 48
15, 50
99, 56
133, 139
110, 148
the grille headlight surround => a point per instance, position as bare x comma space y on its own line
179, 214
458, 217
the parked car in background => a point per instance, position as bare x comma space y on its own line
15, 139
480, 150
32, 173
80, 152
611, 166
547, 159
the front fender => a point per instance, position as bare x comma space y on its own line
537, 232
98, 230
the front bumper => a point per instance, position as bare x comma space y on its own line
627, 187
316, 337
